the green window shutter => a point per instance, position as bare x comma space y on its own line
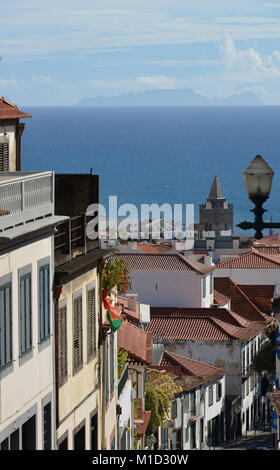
4, 157
25, 304
174, 409
62, 346
78, 334
91, 324
187, 434
44, 301
5, 325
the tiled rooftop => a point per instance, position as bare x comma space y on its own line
137, 342
10, 111
152, 248
163, 262
130, 314
251, 260
191, 367
239, 301
212, 324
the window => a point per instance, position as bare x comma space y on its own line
210, 396
91, 324
174, 409
14, 440
193, 407
25, 309
218, 391
80, 438
112, 363
4, 156
47, 427
44, 301
77, 333
204, 287
187, 435
62, 345
5, 325
164, 439
29, 434
201, 429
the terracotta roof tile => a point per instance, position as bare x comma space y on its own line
268, 250
141, 428
210, 324
130, 314
137, 342
239, 301
220, 298
191, 367
11, 111
152, 248
163, 262
251, 260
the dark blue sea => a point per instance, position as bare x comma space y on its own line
158, 155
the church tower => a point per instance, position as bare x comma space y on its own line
216, 215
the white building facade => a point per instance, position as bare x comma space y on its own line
27, 369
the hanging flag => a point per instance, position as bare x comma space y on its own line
113, 317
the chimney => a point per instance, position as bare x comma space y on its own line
132, 298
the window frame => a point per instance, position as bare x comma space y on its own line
41, 265
6, 282
24, 273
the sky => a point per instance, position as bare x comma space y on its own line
57, 52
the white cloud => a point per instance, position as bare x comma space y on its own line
138, 84
248, 65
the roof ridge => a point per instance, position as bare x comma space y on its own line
224, 326
192, 360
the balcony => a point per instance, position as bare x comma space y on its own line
71, 240
25, 197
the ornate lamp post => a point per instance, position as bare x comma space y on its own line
258, 180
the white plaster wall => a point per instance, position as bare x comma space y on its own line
250, 276
222, 354
167, 289
31, 377
218, 406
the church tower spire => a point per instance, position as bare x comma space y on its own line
216, 215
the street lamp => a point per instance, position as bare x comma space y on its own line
258, 180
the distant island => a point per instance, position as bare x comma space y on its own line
171, 98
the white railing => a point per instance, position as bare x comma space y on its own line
25, 196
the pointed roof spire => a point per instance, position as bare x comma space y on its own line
216, 191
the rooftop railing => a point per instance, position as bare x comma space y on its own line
25, 197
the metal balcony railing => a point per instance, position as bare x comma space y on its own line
71, 239
24, 197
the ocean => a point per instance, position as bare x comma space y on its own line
158, 155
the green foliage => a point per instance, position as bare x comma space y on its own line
265, 359
122, 360
158, 397
115, 274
